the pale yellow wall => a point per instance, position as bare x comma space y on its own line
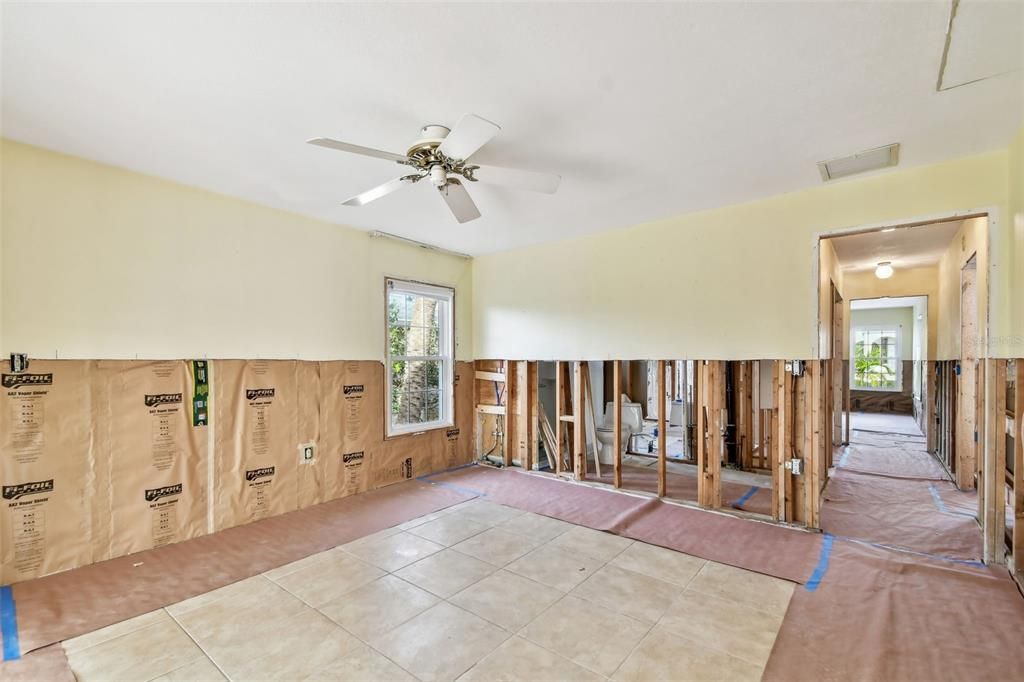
920, 281
100, 262
1016, 220
903, 317
969, 240
735, 282
828, 272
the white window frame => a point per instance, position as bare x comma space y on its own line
899, 357
446, 356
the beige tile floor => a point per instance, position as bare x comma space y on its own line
478, 592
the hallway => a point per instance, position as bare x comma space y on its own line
888, 490
900, 592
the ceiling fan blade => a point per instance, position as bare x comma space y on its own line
468, 135
356, 149
459, 201
382, 190
518, 179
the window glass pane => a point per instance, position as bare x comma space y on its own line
414, 343
423, 311
398, 340
419, 327
432, 341
432, 405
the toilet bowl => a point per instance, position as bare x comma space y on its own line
632, 422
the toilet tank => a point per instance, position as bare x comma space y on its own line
632, 416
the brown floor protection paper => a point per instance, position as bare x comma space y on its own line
893, 456
903, 504
882, 614
68, 604
48, 664
774, 550
684, 487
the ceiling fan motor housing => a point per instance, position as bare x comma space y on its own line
438, 176
431, 137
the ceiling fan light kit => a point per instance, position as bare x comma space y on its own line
440, 154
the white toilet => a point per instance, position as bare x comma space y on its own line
632, 422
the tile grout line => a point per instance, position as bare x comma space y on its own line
200, 646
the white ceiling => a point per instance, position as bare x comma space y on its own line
646, 111
904, 247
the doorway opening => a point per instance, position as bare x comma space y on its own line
908, 339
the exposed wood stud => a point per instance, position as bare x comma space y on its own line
511, 444
559, 413
533, 415
780, 451
591, 418
617, 429
993, 470
579, 440
662, 423
1018, 470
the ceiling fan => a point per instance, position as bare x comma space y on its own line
441, 154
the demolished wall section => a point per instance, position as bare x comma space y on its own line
101, 459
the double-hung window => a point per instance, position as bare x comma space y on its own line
420, 356
876, 364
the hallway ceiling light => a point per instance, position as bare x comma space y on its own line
884, 270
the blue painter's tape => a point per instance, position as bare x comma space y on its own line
941, 506
746, 496
842, 460
457, 488
974, 563
937, 498
9, 624
822, 567
424, 477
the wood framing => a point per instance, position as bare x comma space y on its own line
579, 440
533, 408
511, 413
559, 414
523, 428
794, 423
846, 402
815, 458
712, 423
700, 435
744, 404
490, 407
992, 488
662, 425
590, 418
617, 428
1017, 541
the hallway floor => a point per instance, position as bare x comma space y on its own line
900, 592
884, 423
887, 489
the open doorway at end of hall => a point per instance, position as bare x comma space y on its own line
887, 374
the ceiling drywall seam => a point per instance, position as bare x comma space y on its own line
947, 43
948, 40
